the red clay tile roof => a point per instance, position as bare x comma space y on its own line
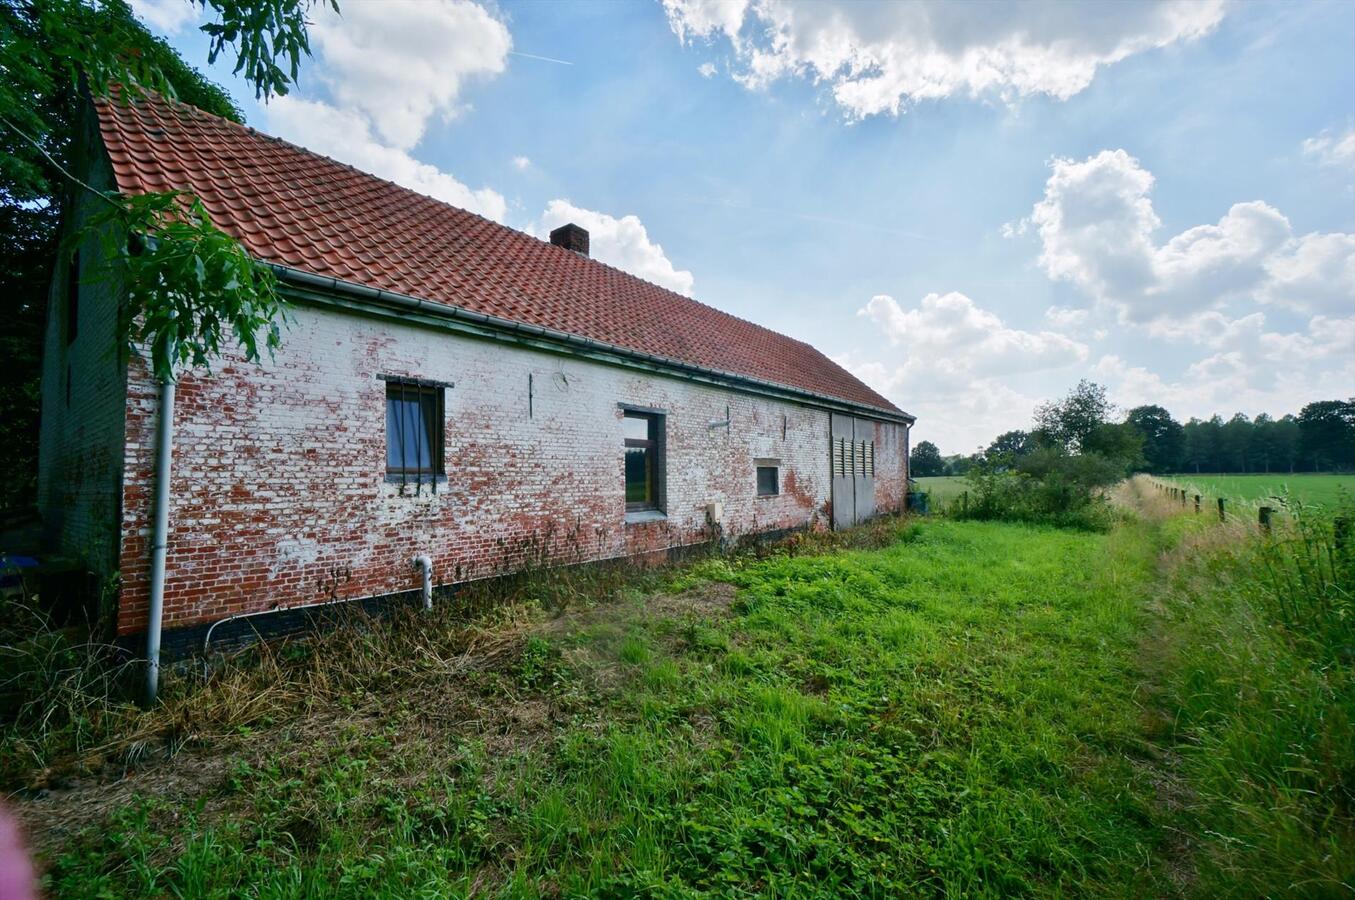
306, 211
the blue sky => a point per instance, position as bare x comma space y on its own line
971, 206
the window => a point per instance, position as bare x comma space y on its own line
413, 429
768, 480
73, 298
643, 434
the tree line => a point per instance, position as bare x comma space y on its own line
1320, 438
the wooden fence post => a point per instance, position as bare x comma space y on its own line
1197, 504
964, 503
1264, 518
1183, 497
1222, 517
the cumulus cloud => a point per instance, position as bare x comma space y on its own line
879, 57
169, 16
346, 135
1251, 370
706, 70
950, 333
622, 242
401, 62
959, 361
391, 67
521, 163
1096, 226
1335, 150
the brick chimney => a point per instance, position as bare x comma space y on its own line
571, 237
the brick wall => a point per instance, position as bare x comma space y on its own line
891, 466
83, 400
280, 495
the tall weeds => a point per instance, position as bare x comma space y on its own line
1259, 679
1307, 581
67, 704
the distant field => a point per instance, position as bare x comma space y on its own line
1324, 490
943, 488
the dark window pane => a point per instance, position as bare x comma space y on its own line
413, 417
393, 440
639, 485
766, 481
635, 428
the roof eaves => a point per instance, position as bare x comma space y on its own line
447, 310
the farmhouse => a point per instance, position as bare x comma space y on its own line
453, 399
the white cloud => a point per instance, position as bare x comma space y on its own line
1096, 226
1336, 150
703, 18
346, 135
959, 364
169, 16
521, 163
1075, 322
622, 242
950, 334
706, 69
1251, 370
959, 416
403, 61
881, 57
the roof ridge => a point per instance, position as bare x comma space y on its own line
308, 210
174, 102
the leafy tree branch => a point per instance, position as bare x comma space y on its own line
189, 287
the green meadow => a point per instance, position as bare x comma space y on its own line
1324, 490
943, 488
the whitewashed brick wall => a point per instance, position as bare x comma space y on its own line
280, 495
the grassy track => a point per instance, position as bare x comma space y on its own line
1324, 490
955, 713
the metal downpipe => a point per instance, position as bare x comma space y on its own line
164, 448
425, 564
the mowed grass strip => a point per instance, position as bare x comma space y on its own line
953, 714
1309, 488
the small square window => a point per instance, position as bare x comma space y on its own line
414, 438
768, 481
643, 438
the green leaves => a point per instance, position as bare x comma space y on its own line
191, 290
262, 32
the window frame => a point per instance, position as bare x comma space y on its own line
418, 390
764, 465
655, 442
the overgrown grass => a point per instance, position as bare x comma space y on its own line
952, 713
68, 701
1258, 667
953, 707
